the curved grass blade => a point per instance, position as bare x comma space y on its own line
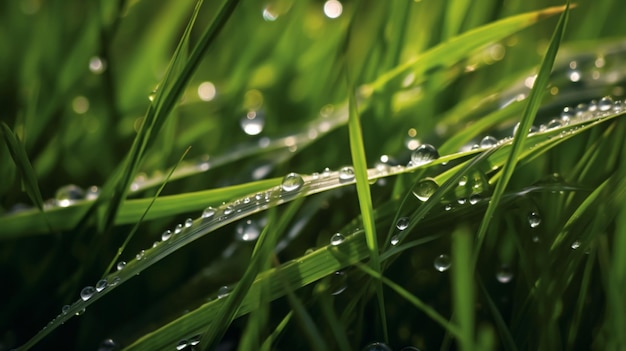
449, 52
463, 286
534, 100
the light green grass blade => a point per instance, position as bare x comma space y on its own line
463, 286
357, 150
534, 101
451, 51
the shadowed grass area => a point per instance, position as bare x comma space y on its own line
390, 209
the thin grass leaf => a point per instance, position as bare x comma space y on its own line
20, 158
134, 230
357, 150
534, 100
463, 286
267, 344
451, 51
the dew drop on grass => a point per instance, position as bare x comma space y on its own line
92, 193
65, 309
107, 345
121, 265
223, 292
69, 194
101, 285
474, 199
346, 174
575, 245
228, 210
395, 240
461, 201
605, 104
534, 219
504, 274
182, 344
178, 228
166, 235
488, 142
292, 182
208, 212
338, 282
554, 124
423, 154
140, 255
247, 231
402, 223
114, 281
194, 340
188, 222
424, 189
80, 312
447, 207
87, 293
463, 181
377, 346
336, 239
253, 122
442, 263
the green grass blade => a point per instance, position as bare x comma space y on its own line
449, 52
357, 150
136, 226
463, 286
534, 100
20, 158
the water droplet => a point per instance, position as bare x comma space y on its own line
346, 174
248, 230
69, 194
80, 312
605, 104
65, 309
292, 182
114, 281
534, 219
575, 245
447, 207
336, 239
166, 235
253, 122
107, 345
228, 210
463, 181
377, 346
178, 228
504, 274
425, 153
223, 291
474, 199
425, 188
101, 285
182, 344
140, 255
269, 16
121, 265
555, 123
395, 240
92, 193
87, 293
402, 223
188, 222
194, 340
488, 142
461, 201
442, 263
208, 212
338, 282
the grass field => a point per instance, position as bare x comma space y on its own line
324, 175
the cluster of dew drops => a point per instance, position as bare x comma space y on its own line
293, 183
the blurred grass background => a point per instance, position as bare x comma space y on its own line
75, 83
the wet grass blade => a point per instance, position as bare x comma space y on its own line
463, 286
534, 101
136, 226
